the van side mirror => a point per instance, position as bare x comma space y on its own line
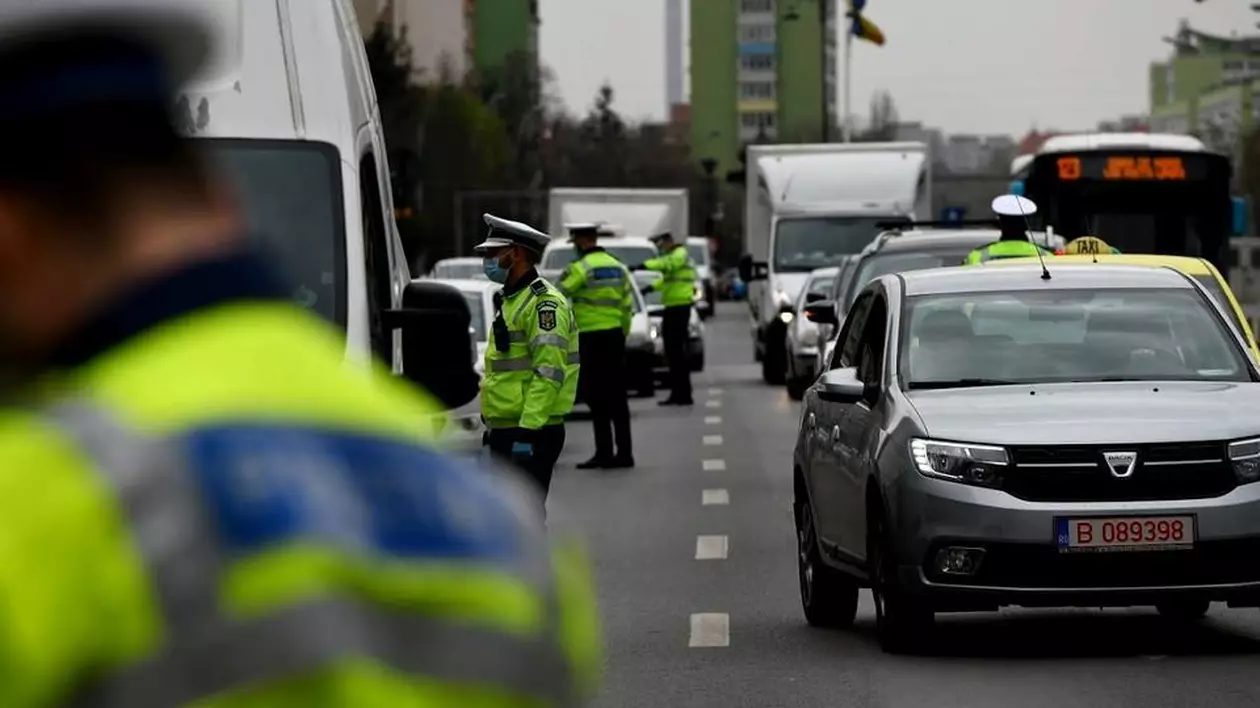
436, 341
821, 312
750, 270
814, 297
841, 386
1239, 217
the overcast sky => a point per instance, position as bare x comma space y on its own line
986, 66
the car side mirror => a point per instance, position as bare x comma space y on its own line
841, 386
436, 339
814, 297
822, 312
750, 270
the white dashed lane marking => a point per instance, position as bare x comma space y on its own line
715, 392
713, 440
713, 420
714, 465
712, 547
713, 403
715, 497
710, 629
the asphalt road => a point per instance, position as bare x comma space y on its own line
714, 481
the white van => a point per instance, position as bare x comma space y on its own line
286, 108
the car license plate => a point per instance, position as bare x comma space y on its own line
1125, 533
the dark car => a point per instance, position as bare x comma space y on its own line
1091, 439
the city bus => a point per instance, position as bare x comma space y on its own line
1139, 192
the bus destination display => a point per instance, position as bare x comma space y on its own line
1129, 168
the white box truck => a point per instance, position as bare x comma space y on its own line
631, 212
808, 206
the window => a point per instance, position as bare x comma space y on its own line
846, 351
291, 198
757, 62
756, 89
759, 119
376, 256
756, 33
870, 361
477, 310
1213, 286
880, 264
993, 338
803, 244
757, 5
459, 269
699, 252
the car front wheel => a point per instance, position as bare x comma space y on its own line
828, 597
901, 622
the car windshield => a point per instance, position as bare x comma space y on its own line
974, 339
477, 310
805, 244
880, 264
1213, 286
699, 252
630, 255
821, 284
459, 270
291, 198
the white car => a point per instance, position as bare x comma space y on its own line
464, 430
706, 291
465, 268
656, 311
802, 340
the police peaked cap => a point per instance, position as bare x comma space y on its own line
505, 233
581, 230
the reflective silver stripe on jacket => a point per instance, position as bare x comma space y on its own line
517, 336
553, 373
207, 652
522, 363
552, 340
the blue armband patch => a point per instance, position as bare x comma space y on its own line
267, 485
606, 273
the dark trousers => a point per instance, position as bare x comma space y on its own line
548, 442
603, 383
674, 330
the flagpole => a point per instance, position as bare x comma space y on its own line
848, 63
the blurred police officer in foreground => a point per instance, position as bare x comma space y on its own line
600, 288
203, 503
677, 286
1012, 212
532, 362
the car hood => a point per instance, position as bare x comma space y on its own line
1092, 413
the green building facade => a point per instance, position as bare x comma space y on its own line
501, 28
761, 71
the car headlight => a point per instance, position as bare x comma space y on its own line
1244, 455
977, 465
654, 333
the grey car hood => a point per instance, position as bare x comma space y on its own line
1092, 413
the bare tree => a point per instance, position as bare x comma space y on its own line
883, 120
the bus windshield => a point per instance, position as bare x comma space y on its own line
1139, 201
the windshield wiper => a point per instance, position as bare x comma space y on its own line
960, 383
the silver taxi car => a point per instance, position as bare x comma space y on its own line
990, 437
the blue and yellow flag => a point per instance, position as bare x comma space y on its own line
863, 28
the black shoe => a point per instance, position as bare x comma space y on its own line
595, 463
620, 462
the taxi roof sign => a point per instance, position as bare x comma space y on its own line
1086, 245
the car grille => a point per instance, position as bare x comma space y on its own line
1018, 565
1165, 471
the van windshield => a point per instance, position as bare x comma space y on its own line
290, 194
809, 243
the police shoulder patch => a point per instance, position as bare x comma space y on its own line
547, 315
538, 287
